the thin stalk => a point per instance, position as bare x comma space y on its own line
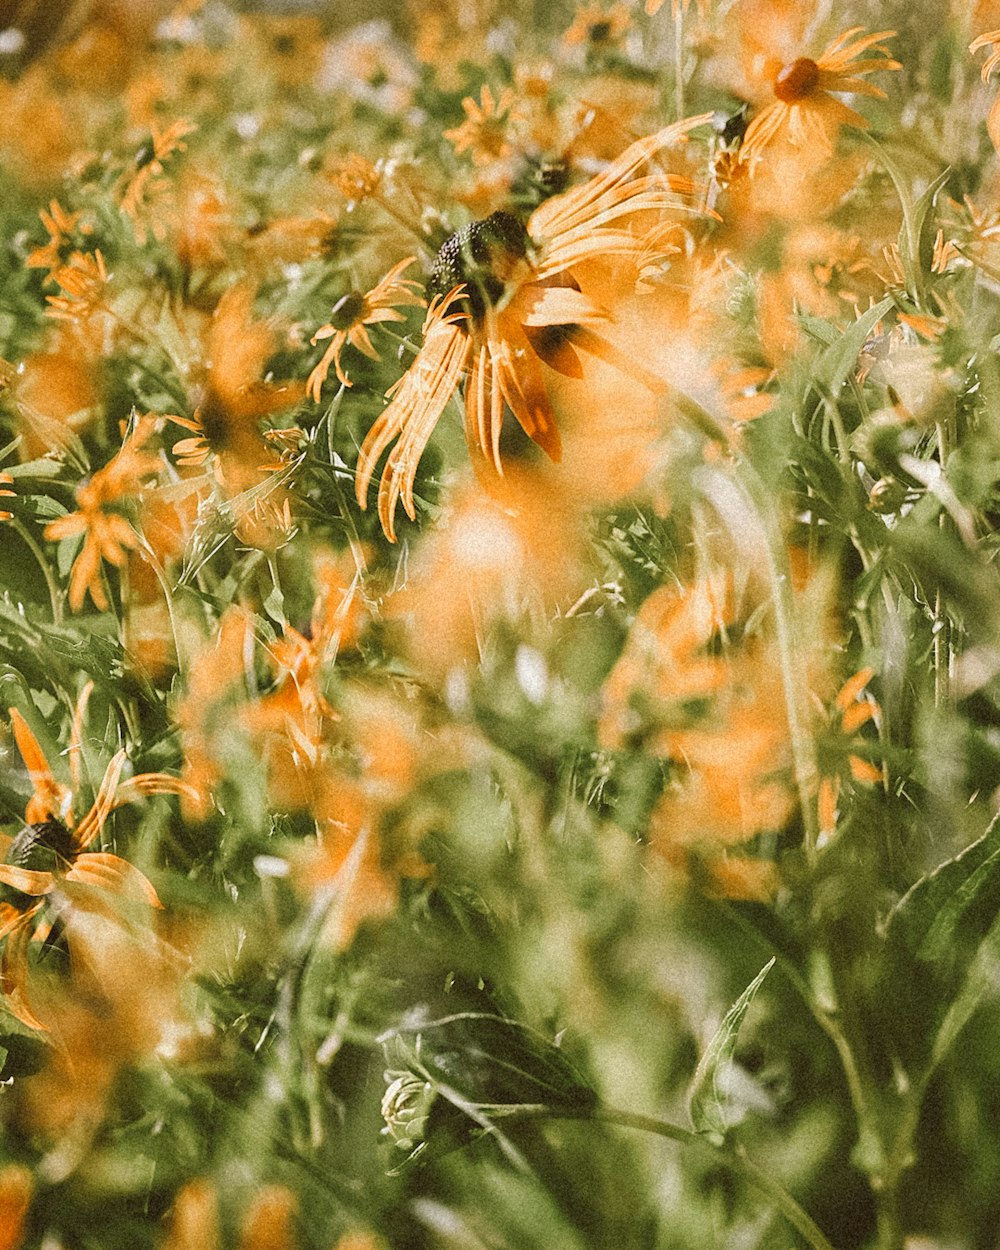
679, 62
55, 598
736, 1159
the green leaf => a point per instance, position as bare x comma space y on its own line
957, 900
710, 1109
489, 1062
837, 360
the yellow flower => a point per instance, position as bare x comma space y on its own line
6, 481
804, 107
853, 707
990, 40
483, 134
15, 1198
141, 184
352, 314
53, 847
84, 279
504, 300
598, 27
60, 226
107, 533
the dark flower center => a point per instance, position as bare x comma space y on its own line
600, 32
42, 847
347, 310
480, 255
796, 81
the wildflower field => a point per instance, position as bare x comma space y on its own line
500, 625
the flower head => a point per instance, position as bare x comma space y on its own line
504, 300
350, 316
483, 134
141, 184
804, 108
53, 847
597, 26
108, 535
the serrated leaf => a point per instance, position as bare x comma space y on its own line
709, 1107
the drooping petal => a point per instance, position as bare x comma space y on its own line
26, 880
521, 381
51, 800
92, 824
418, 400
14, 978
110, 872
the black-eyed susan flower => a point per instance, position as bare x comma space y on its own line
597, 26
351, 316
140, 185
107, 533
504, 300
805, 107
61, 228
83, 280
853, 707
53, 847
483, 134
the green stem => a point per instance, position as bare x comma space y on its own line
55, 598
679, 62
736, 1159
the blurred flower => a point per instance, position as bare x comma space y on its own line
215, 679
107, 533
598, 26
83, 279
483, 134
226, 422
140, 186
269, 1223
504, 301
804, 108
352, 313
52, 848
62, 228
15, 1198
194, 1220
489, 557
6, 481
853, 707
990, 40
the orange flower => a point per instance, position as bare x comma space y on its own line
853, 707
6, 481
483, 134
107, 533
597, 27
214, 679
804, 108
52, 848
15, 1198
990, 40
84, 280
225, 423
504, 301
138, 187
352, 313
61, 227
